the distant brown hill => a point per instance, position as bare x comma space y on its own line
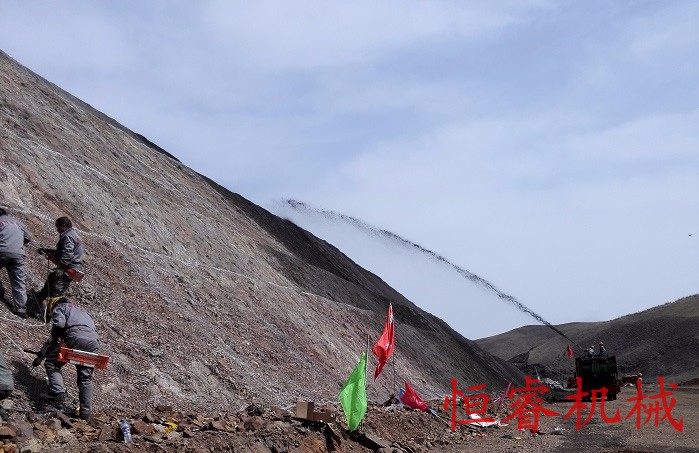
661, 341
202, 298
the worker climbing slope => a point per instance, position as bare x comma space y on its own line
68, 258
13, 237
76, 328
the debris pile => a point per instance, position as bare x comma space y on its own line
279, 429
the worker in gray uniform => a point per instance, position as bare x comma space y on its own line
602, 350
591, 351
13, 237
68, 258
6, 385
75, 327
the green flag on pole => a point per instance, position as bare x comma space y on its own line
353, 395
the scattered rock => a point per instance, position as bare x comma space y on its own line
25, 429
66, 422
109, 433
7, 431
65, 436
141, 427
31, 446
253, 409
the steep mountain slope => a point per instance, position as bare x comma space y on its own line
202, 299
661, 341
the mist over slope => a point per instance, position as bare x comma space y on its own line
201, 298
661, 341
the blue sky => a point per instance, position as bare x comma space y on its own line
551, 148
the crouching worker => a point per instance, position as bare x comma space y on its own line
6, 385
75, 327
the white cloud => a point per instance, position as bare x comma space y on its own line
653, 140
549, 148
78, 39
313, 34
671, 31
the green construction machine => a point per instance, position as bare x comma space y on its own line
597, 373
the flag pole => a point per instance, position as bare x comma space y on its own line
366, 366
393, 325
394, 373
366, 362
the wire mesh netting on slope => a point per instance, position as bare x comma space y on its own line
29, 334
169, 342
138, 375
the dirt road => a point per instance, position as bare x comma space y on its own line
598, 435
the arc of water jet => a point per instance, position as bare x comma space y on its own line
360, 224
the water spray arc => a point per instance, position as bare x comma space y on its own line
367, 228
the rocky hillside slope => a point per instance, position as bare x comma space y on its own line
661, 341
202, 299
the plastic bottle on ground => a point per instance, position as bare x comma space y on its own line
125, 430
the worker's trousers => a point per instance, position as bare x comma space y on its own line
16, 274
56, 284
85, 386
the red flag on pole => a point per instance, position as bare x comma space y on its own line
569, 352
411, 399
384, 347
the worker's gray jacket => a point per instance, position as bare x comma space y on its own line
71, 322
69, 249
13, 236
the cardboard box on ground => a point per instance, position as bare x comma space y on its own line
306, 410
